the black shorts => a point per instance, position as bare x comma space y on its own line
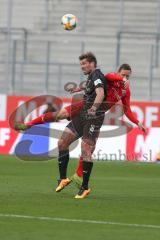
86, 128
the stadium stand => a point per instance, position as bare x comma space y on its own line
47, 56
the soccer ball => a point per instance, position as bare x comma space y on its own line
69, 21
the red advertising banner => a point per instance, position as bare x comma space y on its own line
7, 135
138, 146
147, 112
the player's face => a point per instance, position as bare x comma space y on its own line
125, 74
87, 67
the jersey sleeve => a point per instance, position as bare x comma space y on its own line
113, 77
127, 108
98, 81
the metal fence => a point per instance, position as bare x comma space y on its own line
15, 61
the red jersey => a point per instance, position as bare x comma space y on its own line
116, 91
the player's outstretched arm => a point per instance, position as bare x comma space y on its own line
129, 114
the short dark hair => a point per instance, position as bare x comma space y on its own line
89, 56
125, 66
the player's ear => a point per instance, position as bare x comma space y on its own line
93, 64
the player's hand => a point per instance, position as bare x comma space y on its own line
92, 111
142, 127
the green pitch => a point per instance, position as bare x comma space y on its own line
124, 203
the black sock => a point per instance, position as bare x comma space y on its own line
63, 160
87, 168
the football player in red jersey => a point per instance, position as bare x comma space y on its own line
118, 89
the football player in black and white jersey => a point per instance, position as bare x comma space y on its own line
86, 125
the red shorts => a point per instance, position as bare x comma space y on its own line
74, 109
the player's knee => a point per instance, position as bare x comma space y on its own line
62, 144
87, 150
93, 148
63, 114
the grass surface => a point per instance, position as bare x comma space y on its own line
121, 193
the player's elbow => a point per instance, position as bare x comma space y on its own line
100, 92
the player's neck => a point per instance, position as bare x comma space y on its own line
92, 70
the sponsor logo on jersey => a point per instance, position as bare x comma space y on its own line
91, 130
